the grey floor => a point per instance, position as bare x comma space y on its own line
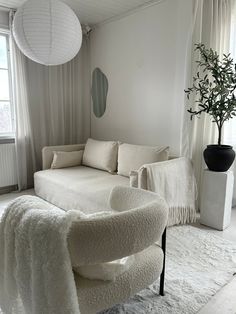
224, 302
6, 198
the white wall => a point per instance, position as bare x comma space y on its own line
143, 56
4, 18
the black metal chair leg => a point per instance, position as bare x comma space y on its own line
162, 278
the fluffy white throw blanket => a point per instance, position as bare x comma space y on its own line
35, 269
174, 180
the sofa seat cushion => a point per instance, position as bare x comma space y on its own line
82, 188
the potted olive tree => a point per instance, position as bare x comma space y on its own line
214, 90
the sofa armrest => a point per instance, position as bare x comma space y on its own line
138, 178
47, 152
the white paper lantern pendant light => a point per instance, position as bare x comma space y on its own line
47, 31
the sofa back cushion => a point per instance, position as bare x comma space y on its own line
132, 157
66, 159
101, 155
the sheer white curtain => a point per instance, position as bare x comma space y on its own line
24, 142
59, 102
52, 107
211, 26
229, 134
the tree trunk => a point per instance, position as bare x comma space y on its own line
220, 134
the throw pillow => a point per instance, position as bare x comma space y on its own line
106, 271
66, 159
132, 157
101, 155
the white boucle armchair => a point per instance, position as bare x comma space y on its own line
138, 223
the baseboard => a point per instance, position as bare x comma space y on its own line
8, 189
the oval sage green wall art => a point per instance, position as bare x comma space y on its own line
99, 92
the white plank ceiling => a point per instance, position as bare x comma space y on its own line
93, 12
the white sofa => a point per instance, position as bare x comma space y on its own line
83, 187
106, 164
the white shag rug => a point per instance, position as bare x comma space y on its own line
198, 264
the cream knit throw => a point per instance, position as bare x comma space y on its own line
35, 269
174, 180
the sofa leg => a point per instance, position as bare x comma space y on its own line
162, 278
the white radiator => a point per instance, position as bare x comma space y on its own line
8, 174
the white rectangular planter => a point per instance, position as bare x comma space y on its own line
216, 199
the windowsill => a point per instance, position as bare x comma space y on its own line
7, 139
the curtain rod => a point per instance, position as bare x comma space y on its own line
7, 8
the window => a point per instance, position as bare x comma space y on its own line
6, 104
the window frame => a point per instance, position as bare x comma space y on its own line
9, 137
